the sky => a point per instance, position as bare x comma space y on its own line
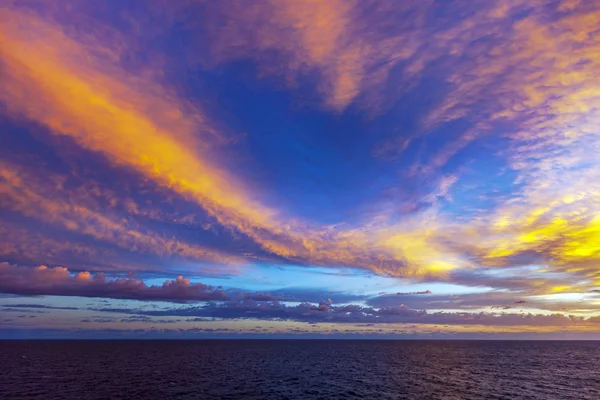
300, 169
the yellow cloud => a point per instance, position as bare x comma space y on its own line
541, 76
52, 79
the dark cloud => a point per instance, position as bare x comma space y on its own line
141, 318
260, 297
411, 293
20, 310
326, 312
58, 281
42, 306
314, 296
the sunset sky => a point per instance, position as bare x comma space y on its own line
300, 168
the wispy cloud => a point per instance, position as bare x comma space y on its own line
485, 113
112, 114
54, 207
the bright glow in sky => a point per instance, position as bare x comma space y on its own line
186, 169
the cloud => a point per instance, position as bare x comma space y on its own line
134, 123
98, 320
42, 306
503, 75
581, 304
51, 78
352, 47
413, 293
307, 36
527, 69
260, 296
535, 78
32, 246
20, 310
23, 193
146, 319
325, 312
44, 280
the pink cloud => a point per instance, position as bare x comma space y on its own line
44, 280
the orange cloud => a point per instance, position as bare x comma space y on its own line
311, 35
103, 114
54, 80
343, 41
50, 78
549, 86
541, 75
321, 30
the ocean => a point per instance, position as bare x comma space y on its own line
299, 369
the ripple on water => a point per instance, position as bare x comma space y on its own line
299, 370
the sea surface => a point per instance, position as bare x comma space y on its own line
296, 369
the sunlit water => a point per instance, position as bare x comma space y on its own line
299, 370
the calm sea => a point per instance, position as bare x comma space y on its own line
319, 369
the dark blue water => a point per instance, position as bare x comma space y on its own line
299, 370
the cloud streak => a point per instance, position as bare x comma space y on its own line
307, 312
19, 195
108, 112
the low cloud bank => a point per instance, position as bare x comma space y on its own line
59, 281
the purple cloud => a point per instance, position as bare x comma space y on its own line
412, 293
43, 280
354, 313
